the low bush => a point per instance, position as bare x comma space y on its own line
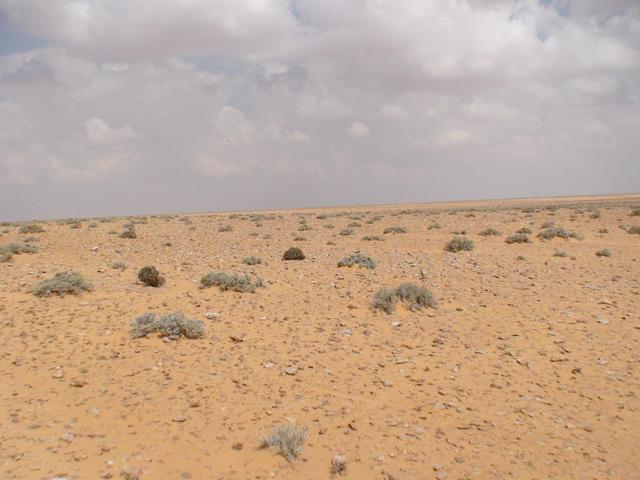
552, 232
9, 250
357, 259
150, 276
603, 253
119, 265
225, 228
251, 260
172, 325
61, 284
129, 231
347, 231
235, 282
372, 238
518, 238
458, 244
30, 228
634, 229
293, 253
524, 230
287, 440
394, 230
413, 296
489, 232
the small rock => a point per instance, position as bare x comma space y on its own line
237, 337
77, 382
237, 446
58, 373
291, 370
211, 315
179, 419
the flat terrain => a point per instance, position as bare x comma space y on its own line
527, 369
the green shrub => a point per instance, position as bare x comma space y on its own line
61, 284
235, 282
372, 238
31, 228
518, 238
119, 265
346, 231
489, 232
357, 259
603, 253
634, 229
287, 440
458, 244
150, 276
251, 260
524, 230
293, 253
635, 212
434, 226
172, 325
413, 296
560, 253
129, 231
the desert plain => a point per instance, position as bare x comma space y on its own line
527, 368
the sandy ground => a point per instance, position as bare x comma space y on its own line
527, 369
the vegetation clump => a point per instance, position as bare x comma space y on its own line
293, 253
634, 229
458, 244
518, 238
347, 231
235, 282
413, 296
172, 325
61, 284
524, 230
119, 265
129, 231
372, 238
30, 228
553, 231
395, 230
357, 259
635, 212
9, 250
251, 260
225, 228
603, 253
150, 276
287, 440
489, 232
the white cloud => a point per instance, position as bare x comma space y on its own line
100, 133
239, 90
395, 112
358, 129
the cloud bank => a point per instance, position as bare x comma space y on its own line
114, 107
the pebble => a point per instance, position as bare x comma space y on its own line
291, 370
237, 337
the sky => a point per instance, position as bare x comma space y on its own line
119, 107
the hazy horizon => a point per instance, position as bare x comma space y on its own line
111, 108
